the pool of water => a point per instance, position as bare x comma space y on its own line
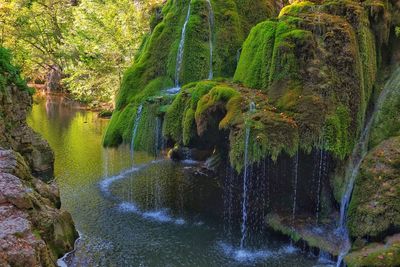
142, 212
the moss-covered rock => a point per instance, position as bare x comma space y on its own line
322, 238
155, 65
387, 118
376, 254
375, 207
317, 62
208, 110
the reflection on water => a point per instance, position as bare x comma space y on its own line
151, 213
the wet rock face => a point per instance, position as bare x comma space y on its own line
15, 133
375, 208
33, 231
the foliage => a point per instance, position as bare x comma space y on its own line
34, 31
92, 42
9, 74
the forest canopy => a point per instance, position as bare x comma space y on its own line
81, 46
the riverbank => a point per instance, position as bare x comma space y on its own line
34, 231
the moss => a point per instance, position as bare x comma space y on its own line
155, 64
179, 124
217, 94
298, 61
336, 133
11, 75
296, 7
374, 208
301, 232
387, 118
381, 255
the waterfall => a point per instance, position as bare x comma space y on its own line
228, 200
211, 28
245, 181
295, 181
179, 57
321, 173
135, 127
357, 157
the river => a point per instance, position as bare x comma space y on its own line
141, 212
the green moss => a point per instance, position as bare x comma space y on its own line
374, 208
269, 53
296, 8
377, 255
179, 124
155, 64
9, 74
217, 94
337, 137
387, 118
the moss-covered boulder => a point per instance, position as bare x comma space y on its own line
316, 62
387, 118
375, 207
155, 67
209, 112
377, 254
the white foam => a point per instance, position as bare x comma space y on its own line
158, 215
255, 255
246, 255
128, 207
173, 91
106, 183
161, 216
289, 249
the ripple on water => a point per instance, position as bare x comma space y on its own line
161, 216
243, 255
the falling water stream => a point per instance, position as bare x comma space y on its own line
295, 182
252, 108
179, 57
357, 157
136, 123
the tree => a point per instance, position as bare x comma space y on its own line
87, 43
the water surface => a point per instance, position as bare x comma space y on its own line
146, 212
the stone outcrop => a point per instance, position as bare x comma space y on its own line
34, 231
15, 134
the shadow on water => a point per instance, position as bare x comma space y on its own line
156, 213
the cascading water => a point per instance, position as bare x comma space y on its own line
179, 57
228, 201
135, 127
357, 157
320, 175
245, 181
295, 181
211, 29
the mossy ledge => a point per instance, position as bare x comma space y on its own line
155, 63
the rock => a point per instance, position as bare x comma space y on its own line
376, 254
375, 207
33, 231
17, 135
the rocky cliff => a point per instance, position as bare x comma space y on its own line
33, 229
